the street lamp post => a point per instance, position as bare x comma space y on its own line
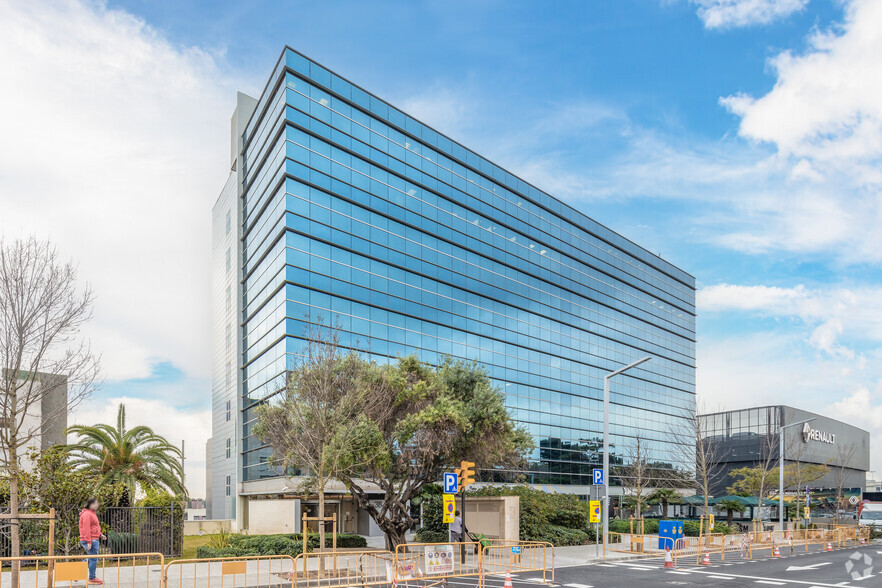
781, 469
605, 502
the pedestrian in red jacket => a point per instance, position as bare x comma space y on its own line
90, 533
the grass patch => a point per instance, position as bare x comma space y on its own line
192, 543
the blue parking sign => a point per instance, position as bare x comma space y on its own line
516, 549
598, 476
451, 483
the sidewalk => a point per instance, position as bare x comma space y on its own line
577, 555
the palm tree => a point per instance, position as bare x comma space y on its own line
133, 459
665, 497
730, 505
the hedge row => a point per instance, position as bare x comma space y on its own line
650, 527
286, 544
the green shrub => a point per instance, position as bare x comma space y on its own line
283, 544
206, 552
122, 542
425, 535
569, 517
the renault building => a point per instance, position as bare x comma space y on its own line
750, 437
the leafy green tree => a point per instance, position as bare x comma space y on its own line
731, 507
318, 423
423, 420
54, 483
132, 459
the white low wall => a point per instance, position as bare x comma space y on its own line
208, 527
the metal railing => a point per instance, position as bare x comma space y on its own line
343, 568
520, 557
137, 570
230, 572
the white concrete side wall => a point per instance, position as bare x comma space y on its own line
266, 517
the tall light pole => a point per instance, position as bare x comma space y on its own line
605, 502
781, 469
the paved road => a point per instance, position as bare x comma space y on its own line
816, 569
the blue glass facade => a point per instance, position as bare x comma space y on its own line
353, 211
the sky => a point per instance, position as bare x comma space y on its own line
739, 139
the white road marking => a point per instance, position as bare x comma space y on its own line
679, 573
770, 582
864, 577
808, 567
721, 577
578, 585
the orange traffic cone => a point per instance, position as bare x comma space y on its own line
669, 560
507, 581
706, 560
776, 552
863, 541
829, 546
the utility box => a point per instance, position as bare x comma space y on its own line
670, 534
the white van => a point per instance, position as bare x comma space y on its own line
871, 514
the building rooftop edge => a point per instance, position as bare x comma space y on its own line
569, 206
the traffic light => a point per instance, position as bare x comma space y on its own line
465, 474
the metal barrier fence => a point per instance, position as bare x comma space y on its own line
343, 568
747, 544
137, 570
527, 556
230, 572
436, 561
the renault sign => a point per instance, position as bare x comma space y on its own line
809, 434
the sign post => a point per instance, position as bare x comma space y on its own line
594, 517
465, 475
449, 506
597, 480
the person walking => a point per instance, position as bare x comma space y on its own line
456, 528
90, 533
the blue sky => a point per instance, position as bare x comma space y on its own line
740, 139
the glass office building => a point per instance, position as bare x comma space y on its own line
348, 209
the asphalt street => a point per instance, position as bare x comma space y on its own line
858, 567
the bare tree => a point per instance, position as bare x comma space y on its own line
845, 455
700, 450
760, 479
317, 421
41, 314
636, 475
801, 471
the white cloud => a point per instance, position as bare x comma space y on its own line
718, 14
115, 146
831, 313
826, 106
191, 426
774, 367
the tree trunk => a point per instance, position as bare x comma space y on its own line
15, 526
394, 537
321, 522
730, 514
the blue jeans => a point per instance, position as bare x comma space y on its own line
93, 561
